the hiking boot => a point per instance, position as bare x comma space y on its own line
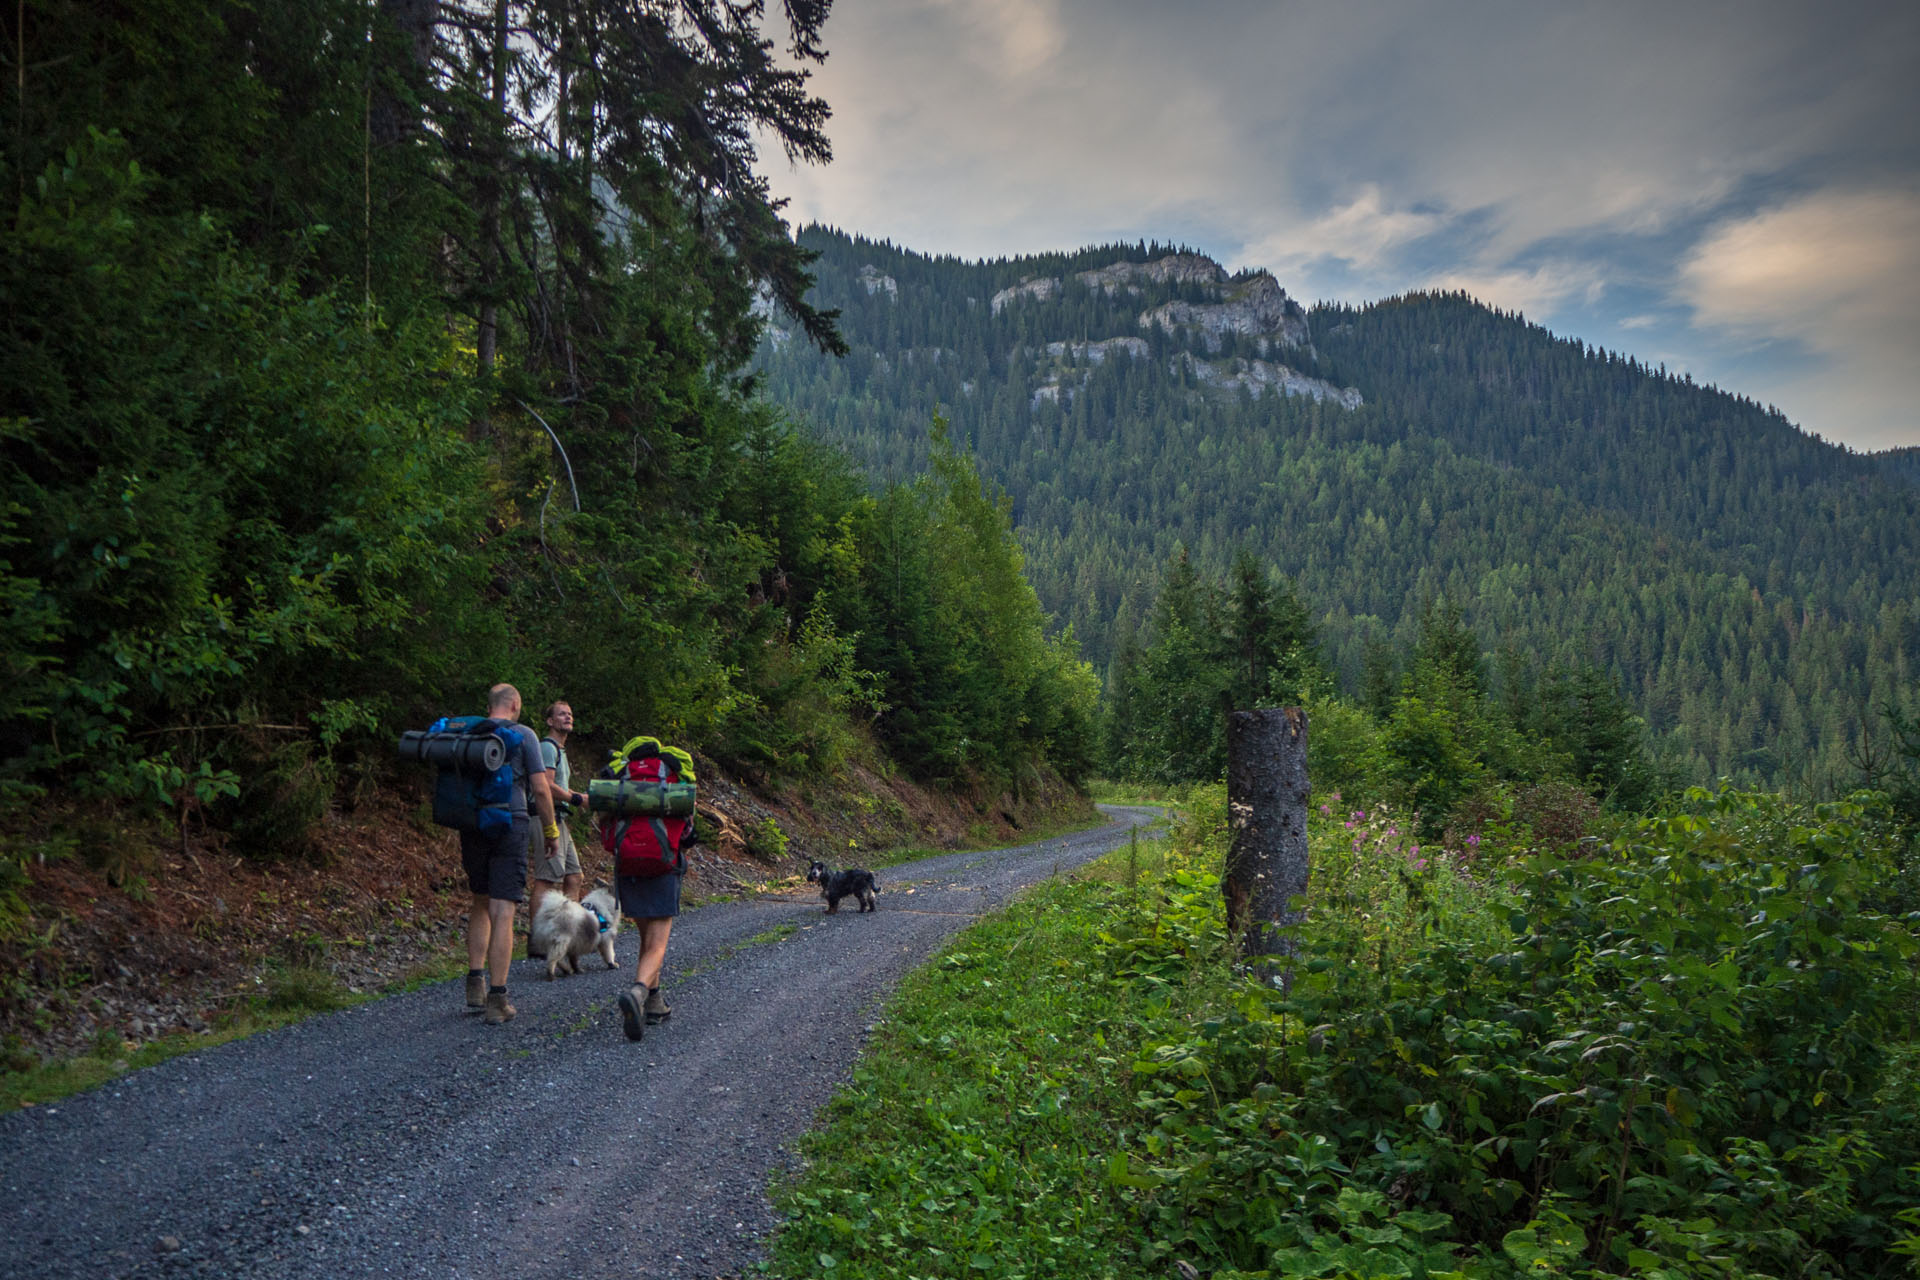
632, 1011
656, 1010
476, 991
498, 1010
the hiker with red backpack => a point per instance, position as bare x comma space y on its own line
645, 799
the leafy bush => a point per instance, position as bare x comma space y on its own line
1689, 1056
767, 842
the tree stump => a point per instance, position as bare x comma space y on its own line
1267, 818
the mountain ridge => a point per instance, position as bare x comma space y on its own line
1751, 587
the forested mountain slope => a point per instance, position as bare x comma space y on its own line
1751, 587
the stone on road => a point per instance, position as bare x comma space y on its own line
404, 1138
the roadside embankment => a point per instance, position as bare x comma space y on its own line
125, 938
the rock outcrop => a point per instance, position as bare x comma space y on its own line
1040, 290
1097, 352
1178, 268
1257, 307
1258, 376
871, 279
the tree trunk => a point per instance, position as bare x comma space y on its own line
1267, 816
393, 111
487, 338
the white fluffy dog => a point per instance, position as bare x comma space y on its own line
566, 930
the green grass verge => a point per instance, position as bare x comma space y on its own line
1108, 791
982, 837
286, 996
975, 1135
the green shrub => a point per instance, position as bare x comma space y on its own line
767, 842
1689, 1056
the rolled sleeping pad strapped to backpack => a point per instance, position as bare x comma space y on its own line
471, 755
647, 799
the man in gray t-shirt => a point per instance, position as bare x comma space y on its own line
496, 863
559, 866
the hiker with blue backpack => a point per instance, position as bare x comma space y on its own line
491, 770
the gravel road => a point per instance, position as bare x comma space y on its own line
404, 1138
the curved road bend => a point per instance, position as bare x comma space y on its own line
404, 1138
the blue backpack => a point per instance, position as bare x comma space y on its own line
469, 799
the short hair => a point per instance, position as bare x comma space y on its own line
502, 695
557, 702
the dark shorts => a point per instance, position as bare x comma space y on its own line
649, 897
496, 861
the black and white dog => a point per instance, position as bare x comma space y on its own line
835, 885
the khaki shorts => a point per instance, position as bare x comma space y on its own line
565, 861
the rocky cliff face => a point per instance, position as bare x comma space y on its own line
873, 282
1178, 268
1044, 289
1212, 305
1097, 352
1259, 376
1256, 307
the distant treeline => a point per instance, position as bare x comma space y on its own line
357, 356
1752, 592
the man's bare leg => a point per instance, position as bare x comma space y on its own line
500, 943
479, 931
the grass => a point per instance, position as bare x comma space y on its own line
981, 836
975, 1135
290, 994
1107, 791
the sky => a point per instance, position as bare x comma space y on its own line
1732, 190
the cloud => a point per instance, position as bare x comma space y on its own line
1567, 161
1534, 291
1833, 273
1362, 234
1822, 257
1027, 34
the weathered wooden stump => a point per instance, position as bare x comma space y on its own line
1267, 816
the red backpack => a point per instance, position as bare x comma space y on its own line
648, 844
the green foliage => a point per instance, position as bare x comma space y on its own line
239, 488
1744, 588
349, 368
1210, 649
974, 1135
1683, 1058
767, 841
1686, 1055
969, 683
1437, 742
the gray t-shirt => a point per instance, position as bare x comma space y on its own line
526, 761
557, 762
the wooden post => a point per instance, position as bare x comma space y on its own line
1267, 816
